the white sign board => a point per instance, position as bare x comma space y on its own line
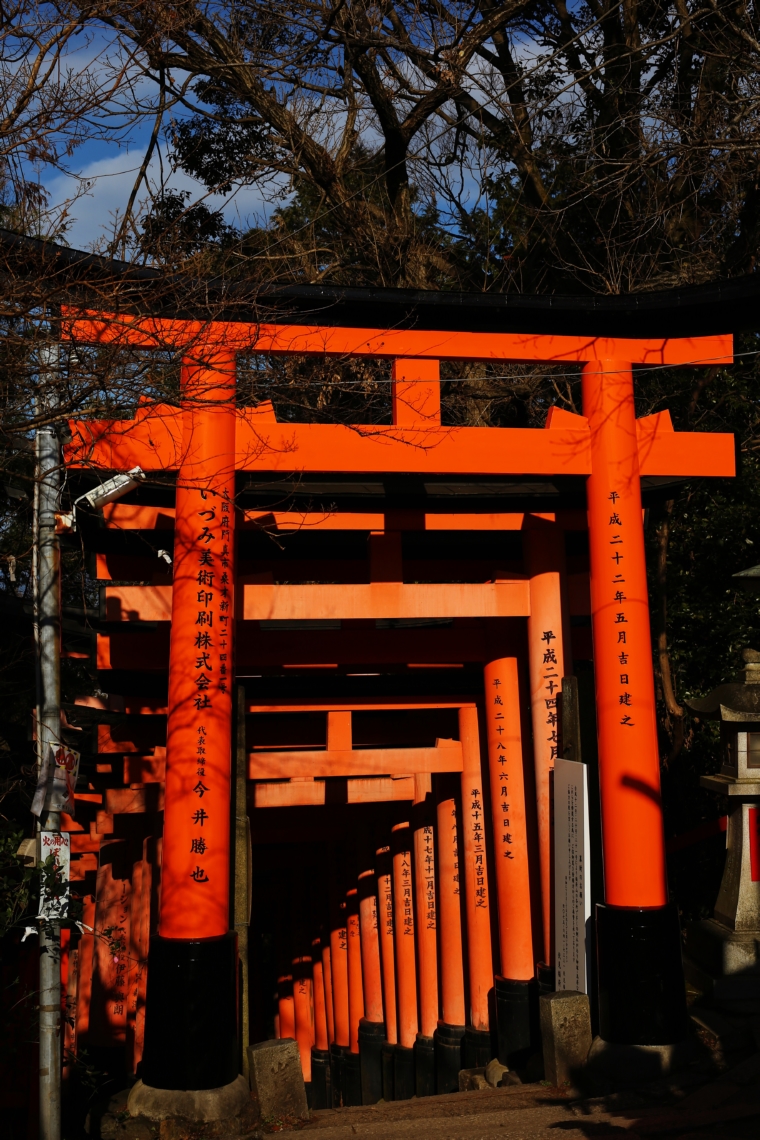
572, 876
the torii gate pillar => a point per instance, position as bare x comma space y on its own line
641, 986
191, 1032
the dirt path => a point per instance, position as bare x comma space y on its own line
724, 1109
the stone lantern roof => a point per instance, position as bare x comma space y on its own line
736, 701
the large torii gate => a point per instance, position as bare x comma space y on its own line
192, 964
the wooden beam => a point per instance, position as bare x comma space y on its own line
154, 445
445, 757
349, 602
307, 793
136, 516
385, 600
156, 332
368, 648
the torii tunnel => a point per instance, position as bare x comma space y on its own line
322, 807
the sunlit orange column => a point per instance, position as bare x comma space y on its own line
196, 853
406, 973
371, 1027
321, 1039
507, 753
424, 889
451, 1028
320, 1058
339, 975
473, 872
629, 769
507, 780
194, 908
640, 972
286, 1006
544, 563
449, 912
370, 947
355, 984
387, 949
303, 1008
329, 1002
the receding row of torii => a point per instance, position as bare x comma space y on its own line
207, 440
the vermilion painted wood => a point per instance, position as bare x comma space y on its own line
446, 757
119, 328
148, 650
327, 979
629, 769
545, 564
85, 969
286, 1006
387, 940
153, 442
370, 946
505, 763
416, 393
303, 1009
473, 871
403, 929
195, 873
389, 600
355, 982
449, 911
427, 919
304, 793
108, 1011
321, 1039
136, 516
339, 974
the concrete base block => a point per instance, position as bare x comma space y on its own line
565, 1035
636, 1064
197, 1105
277, 1080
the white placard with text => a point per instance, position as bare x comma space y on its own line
572, 876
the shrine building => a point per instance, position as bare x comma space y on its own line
333, 662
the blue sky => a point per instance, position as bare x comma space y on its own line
100, 174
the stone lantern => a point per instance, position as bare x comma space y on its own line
723, 952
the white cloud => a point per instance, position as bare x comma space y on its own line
110, 180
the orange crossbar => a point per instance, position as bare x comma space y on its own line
290, 339
343, 602
153, 441
445, 757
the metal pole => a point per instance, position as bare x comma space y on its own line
49, 732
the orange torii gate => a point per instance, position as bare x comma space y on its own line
190, 1035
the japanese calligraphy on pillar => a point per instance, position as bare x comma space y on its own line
497, 729
618, 597
385, 896
455, 845
551, 683
430, 916
475, 817
195, 870
211, 646
406, 890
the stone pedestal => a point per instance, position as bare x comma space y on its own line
277, 1079
565, 1035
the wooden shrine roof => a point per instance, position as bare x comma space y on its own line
70, 275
